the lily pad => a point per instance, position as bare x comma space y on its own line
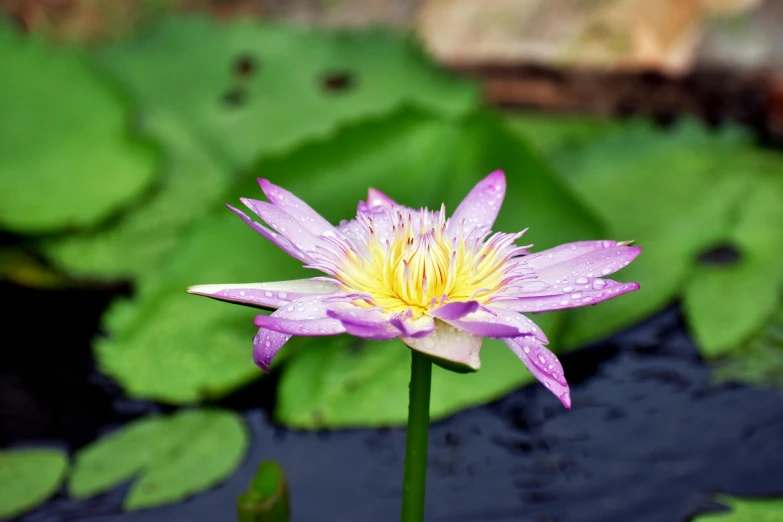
746, 510
69, 160
218, 95
29, 477
170, 458
672, 193
170, 346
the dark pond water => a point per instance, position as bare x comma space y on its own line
650, 439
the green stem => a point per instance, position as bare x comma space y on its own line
415, 481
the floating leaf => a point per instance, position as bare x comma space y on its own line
29, 477
744, 510
553, 134
725, 302
668, 191
218, 95
172, 457
169, 346
68, 160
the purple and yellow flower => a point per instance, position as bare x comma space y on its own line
439, 284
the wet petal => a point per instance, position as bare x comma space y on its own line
597, 263
502, 322
266, 345
449, 347
276, 239
266, 295
566, 251
376, 198
304, 317
481, 206
285, 225
368, 323
296, 208
456, 310
416, 328
600, 290
543, 364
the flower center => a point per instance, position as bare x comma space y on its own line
413, 260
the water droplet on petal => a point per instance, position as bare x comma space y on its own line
526, 348
576, 295
568, 289
268, 294
582, 281
282, 295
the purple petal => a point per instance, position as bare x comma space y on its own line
501, 322
376, 198
453, 311
601, 290
597, 263
566, 251
450, 345
285, 225
481, 206
415, 328
276, 239
304, 317
368, 323
296, 208
543, 364
266, 345
266, 295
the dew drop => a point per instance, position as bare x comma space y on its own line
582, 281
268, 294
242, 294
282, 295
290, 308
526, 348
568, 289
576, 295
606, 271
268, 344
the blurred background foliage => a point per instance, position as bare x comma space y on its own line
117, 166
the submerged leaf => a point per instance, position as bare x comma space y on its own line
218, 95
68, 159
173, 457
29, 477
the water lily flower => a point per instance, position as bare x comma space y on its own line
439, 284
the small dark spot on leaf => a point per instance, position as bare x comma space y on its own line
338, 81
722, 254
245, 65
234, 98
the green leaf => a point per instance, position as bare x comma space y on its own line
553, 134
668, 191
191, 184
170, 346
218, 95
68, 159
742, 510
757, 361
341, 382
171, 458
29, 477
726, 303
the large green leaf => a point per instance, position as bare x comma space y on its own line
28, 478
170, 346
68, 159
727, 303
170, 457
744, 510
668, 191
192, 182
218, 95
